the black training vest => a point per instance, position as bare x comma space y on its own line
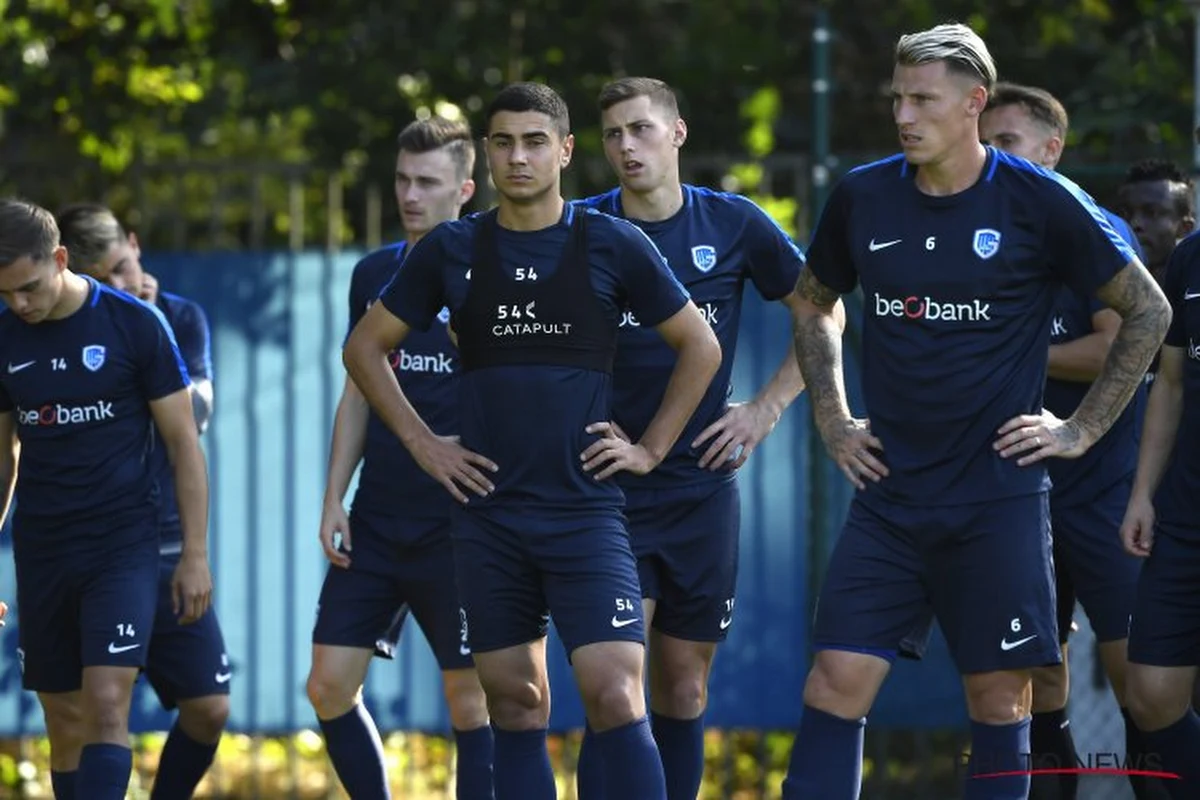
553, 321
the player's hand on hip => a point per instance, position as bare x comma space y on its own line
1034, 437
735, 435
335, 523
191, 588
850, 446
1137, 530
613, 453
455, 467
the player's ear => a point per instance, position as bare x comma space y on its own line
680, 133
60, 258
977, 100
133, 243
1054, 148
568, 147
467, 191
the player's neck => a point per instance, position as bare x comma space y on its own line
955, 173
655, 205
74, 294
534, 216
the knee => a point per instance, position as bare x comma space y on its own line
1000, 698
1051, 688
1154, 705
843, 684
465, 699
679, 688
614, 701
331, 695
64, 725
106, 709
518, 703
204, 719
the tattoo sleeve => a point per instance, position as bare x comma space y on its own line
1145, 317
819, 351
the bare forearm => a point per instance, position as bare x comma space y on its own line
694, 370
785, 385
191, 492
1163, 412
346, 446
818, 344
8, 483
368, 368
1132, 351
1080, 360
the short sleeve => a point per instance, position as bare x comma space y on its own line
773, 259
6, 403
160, 365
194, 339
416, 294
1174, 284
1084, 249
829, 256
651, 289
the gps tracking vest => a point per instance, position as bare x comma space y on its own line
533, 319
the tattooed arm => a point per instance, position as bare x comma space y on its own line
817, 331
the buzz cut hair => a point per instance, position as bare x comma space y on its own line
434, 133
1043, 107
964, 52
622, 89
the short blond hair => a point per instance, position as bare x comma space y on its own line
960, 47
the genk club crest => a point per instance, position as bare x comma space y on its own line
93, 356
704, 256
987, 243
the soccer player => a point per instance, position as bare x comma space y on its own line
1156, 197
186, 664
1162, 525
92, 381
395, 553
684, 517
960, 250
1089, 494
536, 291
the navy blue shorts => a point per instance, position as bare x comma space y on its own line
518, 572
1087, 547
686, 545
185, 661
366, 604
1165, 630
984, 571
96, 611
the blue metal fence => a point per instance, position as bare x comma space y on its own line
278, 321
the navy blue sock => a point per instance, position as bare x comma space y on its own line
104, 769
63, 784
826, 758
356, 751
1138, 758
1000, 763
1177, 746
1053, 747
589, 772
523, 770
681, 746
181, 766
632, 766
474, 763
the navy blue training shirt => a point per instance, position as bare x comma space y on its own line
189, 324
1113, 458
80, 388
1178, 499
958, 297
714, 244
399, 498
530, 418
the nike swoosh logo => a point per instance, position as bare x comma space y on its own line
463, 650
726, 622
18, 367
873, 246
1006, 645
1187, 295
223, 677
112, 648
621, 623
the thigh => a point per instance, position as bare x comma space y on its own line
118, 600
590, 580
361, 606
430, 588
700, 556
1104, 576
185, 661
48, 630
991, 578
1165, 629
873, 598
500, 588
